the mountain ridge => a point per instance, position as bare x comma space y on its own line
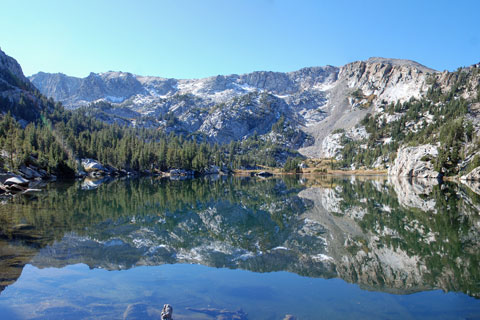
305, 97
343, 113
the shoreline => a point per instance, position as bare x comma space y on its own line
314, 173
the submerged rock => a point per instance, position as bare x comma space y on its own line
136, 311
221, 313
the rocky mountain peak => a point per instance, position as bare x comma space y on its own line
10, 67
17, 94
57, 85
10, 64
385, 80
400, 62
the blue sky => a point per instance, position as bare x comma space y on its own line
199, 38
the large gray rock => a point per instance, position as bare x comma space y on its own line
16, 181
167, 312
5, 176
415, 162
90, 165
29, 172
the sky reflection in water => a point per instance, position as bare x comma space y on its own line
270, 248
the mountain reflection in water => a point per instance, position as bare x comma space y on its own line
394, 236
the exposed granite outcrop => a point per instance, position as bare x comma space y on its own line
415, 162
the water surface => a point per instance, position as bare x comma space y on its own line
323, 248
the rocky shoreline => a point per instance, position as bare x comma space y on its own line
30, 179
411, 163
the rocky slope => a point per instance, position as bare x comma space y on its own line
17, 95
364, 87
312, 101
12, 74
432, 134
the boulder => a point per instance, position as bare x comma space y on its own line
90, 165
415, 162
181, 172
167, 312
5, 176
16, 181
29, 172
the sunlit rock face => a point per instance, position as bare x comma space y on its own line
415, 162
388, 79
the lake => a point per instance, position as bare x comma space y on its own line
242, 248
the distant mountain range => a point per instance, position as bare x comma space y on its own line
311, 109
313, 100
